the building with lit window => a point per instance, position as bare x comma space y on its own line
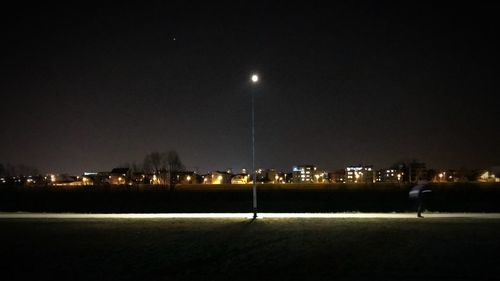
337, 176
487, 176
185, 177
359, 174
320, 177
119, 176
64, 180
389, 175
303, 174
217, 177
267, 176
240, 179
417, 171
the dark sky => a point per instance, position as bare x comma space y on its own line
87, 87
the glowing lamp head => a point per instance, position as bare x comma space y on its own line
255, 78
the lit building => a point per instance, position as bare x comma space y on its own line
32, 181
185, 177
320, 177
303, 174
448, 176
267, 176
240, 179
487, 176
337, 176
94, 178
64, 180
285, 177
359, 174
118, 176
389, 175
140, 178
89, 178
417, 171
217, 177
282, 177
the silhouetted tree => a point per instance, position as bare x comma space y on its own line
431, 173
154, 162
132, 167
174, 161
136, 168
174, 165
411, 167
164, 165
463, 174
24, 170
9, 170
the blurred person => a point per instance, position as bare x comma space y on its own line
420, 193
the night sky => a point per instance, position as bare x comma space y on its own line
88, 87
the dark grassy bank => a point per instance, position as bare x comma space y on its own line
271, 198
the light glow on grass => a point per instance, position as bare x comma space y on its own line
244, 215
126, 216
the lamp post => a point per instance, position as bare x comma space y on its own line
255, 79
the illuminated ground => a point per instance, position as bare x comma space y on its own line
349, 248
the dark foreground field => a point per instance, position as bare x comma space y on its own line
239, 249
466, 197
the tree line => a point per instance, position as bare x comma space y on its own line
157, 162
19, 170
153, 163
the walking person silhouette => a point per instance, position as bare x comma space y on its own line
420, 193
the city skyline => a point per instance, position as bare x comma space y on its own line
89, 88
162, 165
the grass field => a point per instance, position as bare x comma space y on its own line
240, 249
466, 197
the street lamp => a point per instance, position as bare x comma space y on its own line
255, 79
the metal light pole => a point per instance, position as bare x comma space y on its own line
255, 79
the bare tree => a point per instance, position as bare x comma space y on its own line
174, 165
154, 162
164, 165
136, 168
133, 167
174, 162
10, 170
